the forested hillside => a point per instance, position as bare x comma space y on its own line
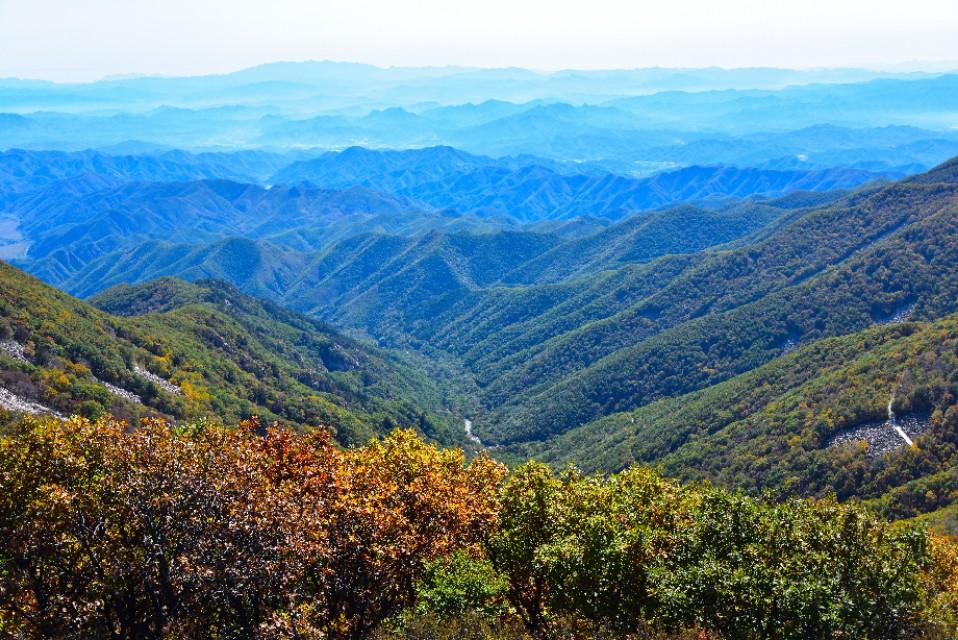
278, 256
808, 423
191, 351
833, 271
551, 357
66, 216
460, 543
558, 331
446, 178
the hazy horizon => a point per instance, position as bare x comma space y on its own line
928, 67
78, 42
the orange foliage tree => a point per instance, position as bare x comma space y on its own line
165, 532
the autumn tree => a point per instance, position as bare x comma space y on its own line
205, 532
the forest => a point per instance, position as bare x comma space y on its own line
256, 531
204, 351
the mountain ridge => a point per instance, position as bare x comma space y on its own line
204, 351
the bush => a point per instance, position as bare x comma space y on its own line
461, 584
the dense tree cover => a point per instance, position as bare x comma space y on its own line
205, 532
551, 356
831, 272
642, 238
634, 548
769, 428
259, 532
257, 239
227, 357
446, 178
783, 445
558, 333
92, 220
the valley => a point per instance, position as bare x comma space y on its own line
395, 353
554, 335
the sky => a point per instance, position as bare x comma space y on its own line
80, 40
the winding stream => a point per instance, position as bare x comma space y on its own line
894, 424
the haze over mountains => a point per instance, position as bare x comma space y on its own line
631, 122
716, 270
292, 82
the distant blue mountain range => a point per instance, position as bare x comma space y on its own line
631, 122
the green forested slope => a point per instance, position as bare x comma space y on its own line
898, 257
550, 357
215, 352
770, 428
684, 229
559, 332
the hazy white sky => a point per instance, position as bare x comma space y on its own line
86, 39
